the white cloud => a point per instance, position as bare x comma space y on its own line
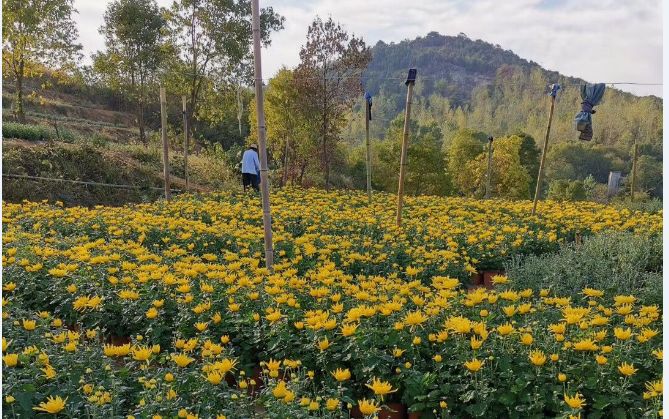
604, 40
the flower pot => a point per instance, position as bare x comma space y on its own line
256, 375
476, 279
487, 277
230, 380
415, 415
356, 413
393, 411
119, 340
73, 327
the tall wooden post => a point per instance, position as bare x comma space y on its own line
163, 134
262, 145
411, 80
540, 176
489, 171
183, 112
369, 152
634, 167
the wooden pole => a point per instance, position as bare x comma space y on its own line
403, 156
260, 110
634, 167
163, 132
489, 171
183, 112
369, 154
540, 176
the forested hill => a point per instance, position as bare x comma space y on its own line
464, 83
451, 66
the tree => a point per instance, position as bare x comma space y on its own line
329, 79
510, 178
211, 45
529, 156
574, 160
465, 146
649, 175
36, 32
133, 35
426, 171
286, 128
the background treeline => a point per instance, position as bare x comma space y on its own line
467, 90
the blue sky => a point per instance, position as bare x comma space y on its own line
598, 40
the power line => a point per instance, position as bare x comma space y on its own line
419, 78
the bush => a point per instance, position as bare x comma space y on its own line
615, 262
564, 190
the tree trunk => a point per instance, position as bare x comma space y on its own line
140, 115
325, 152
284, 179
18, 112
302, 170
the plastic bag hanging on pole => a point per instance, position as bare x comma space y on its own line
592, 95
368, 99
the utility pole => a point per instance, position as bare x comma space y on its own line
489, 171
553, 93
163, 132
262, 145
634, 167
411, 80
368, 117
183, 112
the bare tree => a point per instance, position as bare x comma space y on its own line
329, 80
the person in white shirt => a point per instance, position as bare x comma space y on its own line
251, 168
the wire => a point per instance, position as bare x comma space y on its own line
81, 182
419, 78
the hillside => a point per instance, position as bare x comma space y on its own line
87, 134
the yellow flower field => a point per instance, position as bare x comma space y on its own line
165, 310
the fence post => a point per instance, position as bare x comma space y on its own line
411, 80
540, 177
369, 148
634, 167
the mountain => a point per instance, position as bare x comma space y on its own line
451, 66
465, 83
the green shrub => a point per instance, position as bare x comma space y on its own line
652, 205
96, 140
564, 190
618, 263
27, 131
33, 132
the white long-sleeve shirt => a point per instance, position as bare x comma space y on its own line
250, 162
